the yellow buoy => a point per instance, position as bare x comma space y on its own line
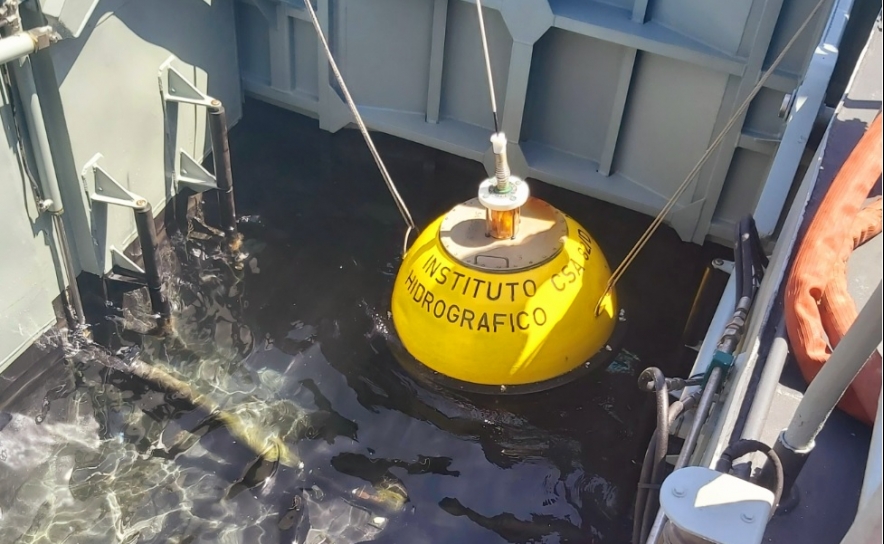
505, 293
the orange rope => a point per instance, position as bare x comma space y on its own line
819, 310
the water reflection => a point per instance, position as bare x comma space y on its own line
296, 349
112, 458
395, 445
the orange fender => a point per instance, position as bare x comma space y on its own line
836, 306
818, 308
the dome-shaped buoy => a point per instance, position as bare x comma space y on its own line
505, 293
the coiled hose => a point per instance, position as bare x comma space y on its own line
744, 447
749, 264
652, 379
646, 502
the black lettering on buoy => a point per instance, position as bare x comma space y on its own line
419, 292
584, 237
431, 265
436, 311
519, 317
453, 313
533, 289
409, 281
499, 323
554, 279
568, 273
585, 243
443, 275
428, 299
577, 266
541, 318
483, 323
512, 323
512, 285
497, 296
478, 283
467, 317
456, 279
466, 286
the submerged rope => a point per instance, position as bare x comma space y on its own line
269, 446
397, 198
487, 64
618, 272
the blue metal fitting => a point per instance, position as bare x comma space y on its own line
722, 360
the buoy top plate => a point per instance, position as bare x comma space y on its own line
540, 237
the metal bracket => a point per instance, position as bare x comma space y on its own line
177, 88
102, 192
182, 168
101, 188
786, 105
724, 266
119, 259
43, 37
191, 174
107, 190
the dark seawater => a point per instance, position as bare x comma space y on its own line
296, 346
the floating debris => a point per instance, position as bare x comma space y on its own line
388, 495
625, 363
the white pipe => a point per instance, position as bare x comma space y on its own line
835, 376
33, 113
873, 477
766, 389
19, 46
16, 46
867, 524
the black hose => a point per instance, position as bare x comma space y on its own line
652, 379
745, 259
749, 272
749, 263
677, 384
642, 493
749, 258
640, 521
757, 249
745, 447
689, 403
733, 333
740, 280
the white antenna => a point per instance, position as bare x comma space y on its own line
487, 65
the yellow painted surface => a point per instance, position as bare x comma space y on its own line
503, 328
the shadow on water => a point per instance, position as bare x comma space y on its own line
296, 347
